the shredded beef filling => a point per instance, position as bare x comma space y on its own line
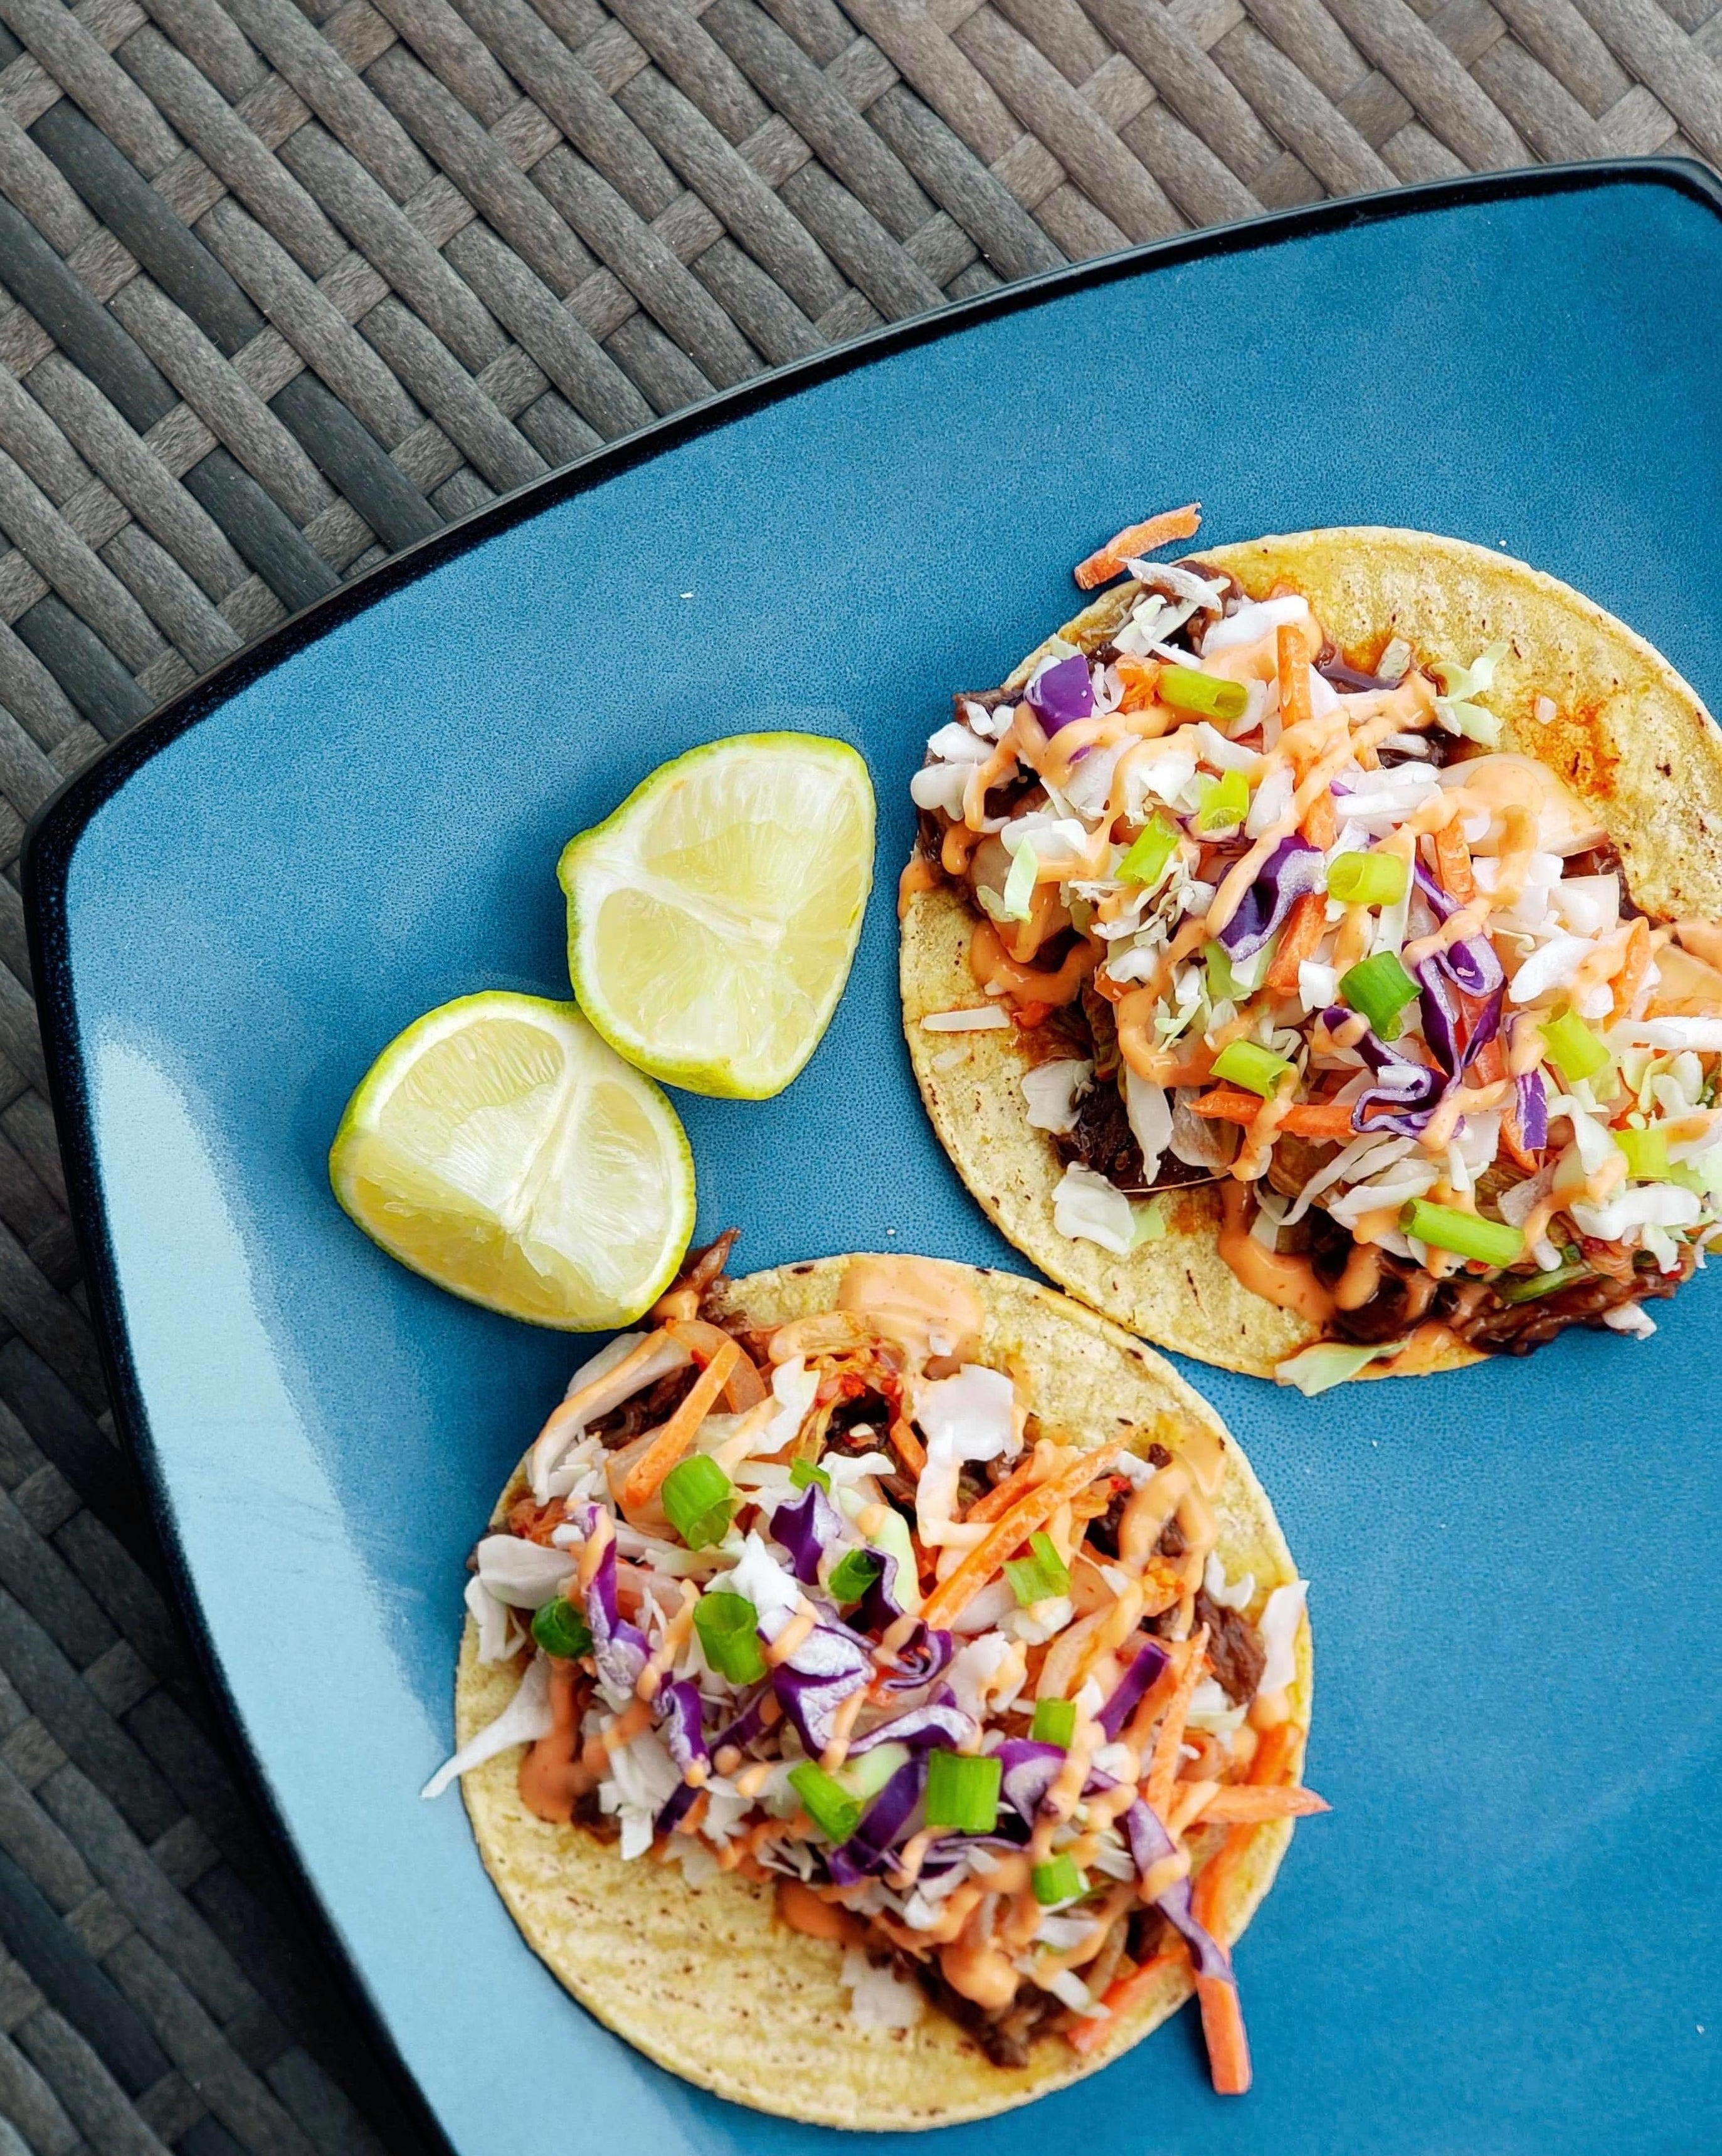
1004, 2032
1474, 1310
1103, 1529
646, 1410
1102, 1140
1235, 1648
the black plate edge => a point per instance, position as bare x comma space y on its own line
52, 834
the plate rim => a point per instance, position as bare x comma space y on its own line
54, 831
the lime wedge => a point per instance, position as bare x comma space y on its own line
499, 1149
713, 918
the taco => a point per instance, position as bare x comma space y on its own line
1310, 959
913, 1684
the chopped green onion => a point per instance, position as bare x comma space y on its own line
1150, 852
1222, 802
1185, 690
1526, 1287
1256, 1070
559, 1628
1055, 1723
963, 1790
699, 1501
1368, 879
728, 1626
1380, 989
1224, 986
1057, 1880
1040, 1575
803, 1471
1574, 1049
1020, 883
1467, 1234
865, 1776
826, 1802
1646, 1154
852, 1575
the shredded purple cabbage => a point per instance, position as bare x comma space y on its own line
882, 1824
619, 1652
1292, 869
679, 1711
681, 1803
1408, 1090
1150, 1660
1440, 904
748, 1726
1533, 1103
879, 1608
1062, 692
1029, 1770
807, 1529
1150, 1844
924, 1655
828, 1666
941, 1722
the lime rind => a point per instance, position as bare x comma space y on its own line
539, 1175
692, 927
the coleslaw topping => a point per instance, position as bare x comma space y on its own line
825, 1606
1270, 919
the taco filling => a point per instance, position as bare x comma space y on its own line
823, 1604
1268, 920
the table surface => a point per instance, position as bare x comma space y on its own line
286, 289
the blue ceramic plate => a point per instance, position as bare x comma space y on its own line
1506, 1937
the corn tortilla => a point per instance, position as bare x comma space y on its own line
1628, 736
705, 1980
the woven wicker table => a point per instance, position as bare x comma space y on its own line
286, 289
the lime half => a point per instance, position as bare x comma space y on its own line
713, 918
499, 1149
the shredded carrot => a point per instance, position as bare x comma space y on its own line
1301, 932
1135, 540
1244, 1805
1452, 863
1139, 677
1011, 1533
1275, 1753
1293, 660
1163, 1768
1153, 1705
993, 1504
1320, 826
1308, 1119
909, 1448
1029, 1016
1223, 2033
1513, 1145
1120, 1997
673, 1440
1489, 1064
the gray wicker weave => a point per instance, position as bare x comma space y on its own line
285, 290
